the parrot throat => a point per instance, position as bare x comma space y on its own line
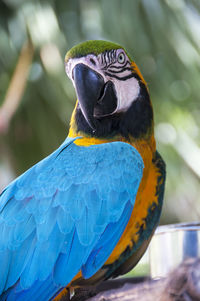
137, 121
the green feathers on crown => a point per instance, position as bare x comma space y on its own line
91, 47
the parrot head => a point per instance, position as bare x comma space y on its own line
113, 98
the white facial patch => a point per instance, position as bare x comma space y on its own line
112, 67
127, 91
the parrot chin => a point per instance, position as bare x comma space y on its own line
96, 98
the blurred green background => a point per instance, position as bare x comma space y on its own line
163, 37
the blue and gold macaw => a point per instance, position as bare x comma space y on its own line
88, 211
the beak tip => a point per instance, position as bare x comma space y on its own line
88, 83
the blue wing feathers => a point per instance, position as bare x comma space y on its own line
85, 228
64, 221
18, 259
64, 214
106, 243
68, 265
5, 257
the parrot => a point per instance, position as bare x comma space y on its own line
87, 212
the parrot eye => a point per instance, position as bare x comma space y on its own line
121, 58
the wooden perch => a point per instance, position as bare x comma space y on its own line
183, 284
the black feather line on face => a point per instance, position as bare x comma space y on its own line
108, 58
123, 78
110, 71
137, 121
118, 67
104, 58
113, 55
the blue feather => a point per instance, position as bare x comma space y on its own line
68, 265
106, 244
64, 220
65, 214
44, 229
52, 249
18, 260
85, 228
5, 257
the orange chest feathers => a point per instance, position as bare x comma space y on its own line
146, 196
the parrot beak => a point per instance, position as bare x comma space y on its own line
96, 98
88, 85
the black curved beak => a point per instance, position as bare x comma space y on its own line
88, 85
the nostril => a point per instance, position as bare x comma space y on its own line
93, 61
